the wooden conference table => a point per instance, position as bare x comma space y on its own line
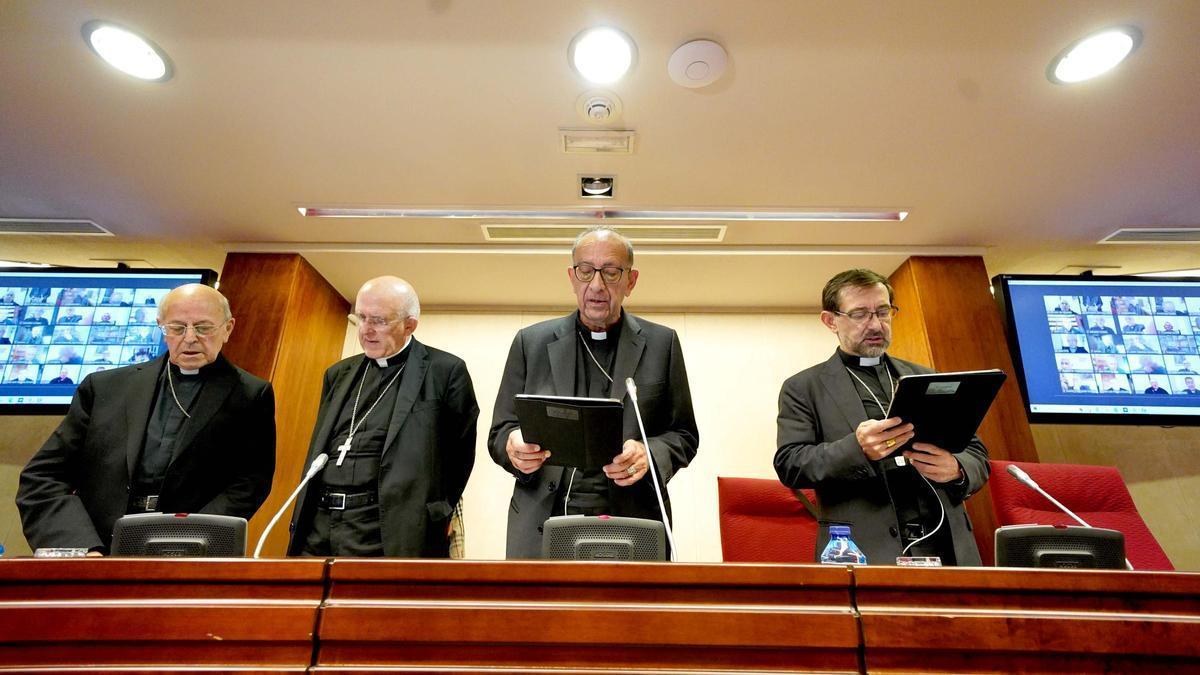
344, 615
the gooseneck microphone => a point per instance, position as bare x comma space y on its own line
631, 388
1023, 478
313, 469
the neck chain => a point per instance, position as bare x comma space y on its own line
891, 385
171, 384
345, 447
589, 351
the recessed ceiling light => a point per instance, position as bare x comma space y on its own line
601, 55
1094, 55
127, 51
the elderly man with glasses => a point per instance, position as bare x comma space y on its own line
398, 424
590, 353
833, 436
188, 432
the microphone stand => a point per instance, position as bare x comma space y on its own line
313, 469
1023, 478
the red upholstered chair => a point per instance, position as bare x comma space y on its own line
1096, 494
763, 521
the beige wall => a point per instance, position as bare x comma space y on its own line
736, 363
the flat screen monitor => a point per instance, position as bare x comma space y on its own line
58, 325
1109, 350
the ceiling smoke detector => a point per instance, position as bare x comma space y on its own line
597, 187
697, 64
598, 107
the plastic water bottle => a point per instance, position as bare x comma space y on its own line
841, 549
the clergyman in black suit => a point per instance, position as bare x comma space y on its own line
398, 423
590, 353
832, 436
186, 433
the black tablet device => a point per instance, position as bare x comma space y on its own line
579, 432
945, 409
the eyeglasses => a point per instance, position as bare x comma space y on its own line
860, 315
609, 275
202, 330
364, 321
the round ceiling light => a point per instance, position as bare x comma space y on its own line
697, 64
127, 51
602, 55
1094, 55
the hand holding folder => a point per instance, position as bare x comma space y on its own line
578, 432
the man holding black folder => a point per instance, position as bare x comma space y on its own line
832, 436
590, 353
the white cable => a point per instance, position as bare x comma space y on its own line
631, 388
567, 499
941, 518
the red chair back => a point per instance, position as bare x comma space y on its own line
763, 521
1097, 494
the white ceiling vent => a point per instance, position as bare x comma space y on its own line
51, 226
646, 234
608, 141
1154, 235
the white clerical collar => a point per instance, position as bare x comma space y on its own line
599, 336
189, 372
382, 362
868, 360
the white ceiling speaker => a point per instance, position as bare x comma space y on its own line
697, 64
598, 107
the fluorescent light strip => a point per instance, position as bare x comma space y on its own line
881, 215
557, 250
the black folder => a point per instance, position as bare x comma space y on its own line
945, 409
579, 432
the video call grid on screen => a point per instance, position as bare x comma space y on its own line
1109, 347
56, 328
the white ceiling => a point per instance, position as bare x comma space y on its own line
939, 108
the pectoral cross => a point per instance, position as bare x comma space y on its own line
343, 449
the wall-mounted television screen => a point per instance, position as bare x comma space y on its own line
58, 325
1109, 350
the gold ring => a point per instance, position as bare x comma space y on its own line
891, 442
631, 470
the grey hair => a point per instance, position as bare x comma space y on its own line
604, 230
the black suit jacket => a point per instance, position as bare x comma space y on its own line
428, 452
819, 408
77, 485
542, 361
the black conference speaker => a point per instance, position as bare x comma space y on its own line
1059, 546
603, 538
180, 535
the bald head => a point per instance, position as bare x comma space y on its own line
386, 309
196, 293
394, 292
603, 233
196, 323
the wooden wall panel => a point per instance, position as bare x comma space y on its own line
291, 327
949, 321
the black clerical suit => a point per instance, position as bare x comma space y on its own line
414, 452
547, 358
819, 409
123, 436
